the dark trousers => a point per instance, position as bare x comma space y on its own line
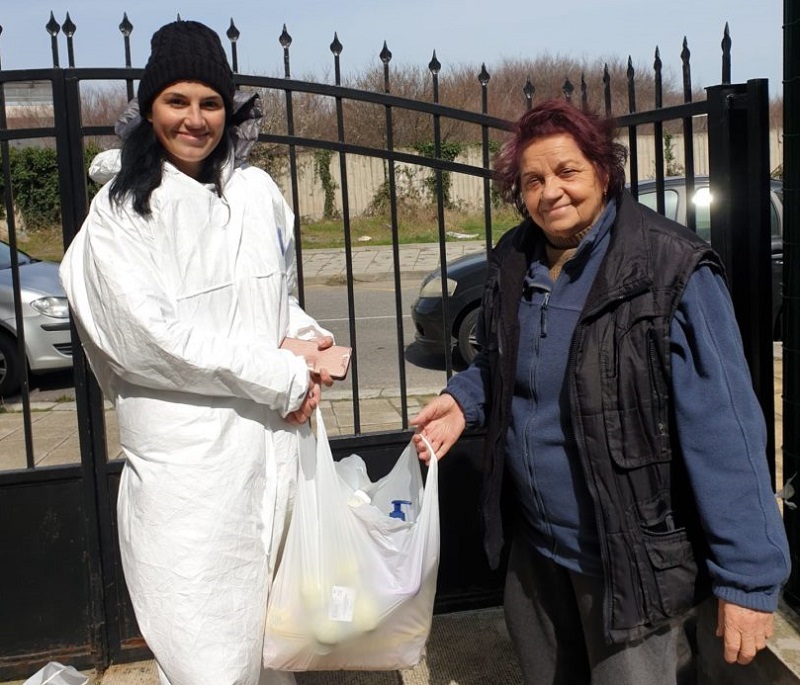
555, 620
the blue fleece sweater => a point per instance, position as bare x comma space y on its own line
718, 421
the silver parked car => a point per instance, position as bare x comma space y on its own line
45, 317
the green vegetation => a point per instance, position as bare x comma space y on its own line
44, 243
35, 183
673, 167
448, 152
322, 170
419, 226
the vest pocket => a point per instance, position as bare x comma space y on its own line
635, 406
673, 570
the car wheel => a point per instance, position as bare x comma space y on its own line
467, 344
9, 366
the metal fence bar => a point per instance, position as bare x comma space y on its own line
633, 161
791, 285
483, 79
126, 28
15, 280
386, 57
53, 28
688, 137
336, 49
434, 66
69, 31
658, 136
286, 40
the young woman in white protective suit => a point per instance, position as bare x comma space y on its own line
181, 283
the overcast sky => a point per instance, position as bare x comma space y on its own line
461, 32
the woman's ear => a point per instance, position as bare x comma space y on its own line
604, 181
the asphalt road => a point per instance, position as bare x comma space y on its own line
378, 357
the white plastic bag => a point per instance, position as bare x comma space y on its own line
55, 673
355, 587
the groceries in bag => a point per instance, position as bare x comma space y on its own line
355, 586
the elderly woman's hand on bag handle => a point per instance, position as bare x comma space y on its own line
442, 422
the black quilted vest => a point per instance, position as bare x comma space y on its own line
619, 389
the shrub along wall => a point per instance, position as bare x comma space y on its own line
34, 185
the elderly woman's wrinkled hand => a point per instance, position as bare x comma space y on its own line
744, 631
441, 422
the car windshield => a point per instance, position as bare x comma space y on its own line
5, 257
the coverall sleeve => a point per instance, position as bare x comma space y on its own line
130, 327
722, 434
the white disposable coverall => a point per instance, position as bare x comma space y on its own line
181, 315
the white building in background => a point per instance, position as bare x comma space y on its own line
28, 99
24, 97
28, 103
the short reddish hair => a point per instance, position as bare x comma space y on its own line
594, 136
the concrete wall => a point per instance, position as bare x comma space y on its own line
366, 175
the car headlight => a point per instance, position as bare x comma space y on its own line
56, 307
433, 288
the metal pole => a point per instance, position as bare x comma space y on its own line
791, 280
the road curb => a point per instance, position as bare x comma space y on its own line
378, 394
385, 277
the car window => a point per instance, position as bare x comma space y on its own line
702, 213
5, 257
649, 199
774, 221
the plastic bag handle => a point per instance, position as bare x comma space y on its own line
429, 447
57, 673
322, 433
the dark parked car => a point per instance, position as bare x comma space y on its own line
45, 317
466, 276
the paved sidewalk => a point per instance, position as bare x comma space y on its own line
453, 658
376, 262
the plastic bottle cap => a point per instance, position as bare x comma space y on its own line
397, 512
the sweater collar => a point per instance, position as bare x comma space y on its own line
556, 257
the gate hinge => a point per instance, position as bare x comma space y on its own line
737, 101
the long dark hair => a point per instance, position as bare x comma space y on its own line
141, 163
592, 134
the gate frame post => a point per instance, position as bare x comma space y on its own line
88, 397
790, 334
738, 141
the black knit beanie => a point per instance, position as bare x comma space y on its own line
185, 51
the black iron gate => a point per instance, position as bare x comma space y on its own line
62, 595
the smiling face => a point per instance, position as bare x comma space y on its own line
561, 188
188, 119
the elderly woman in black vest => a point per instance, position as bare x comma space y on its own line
625, 445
